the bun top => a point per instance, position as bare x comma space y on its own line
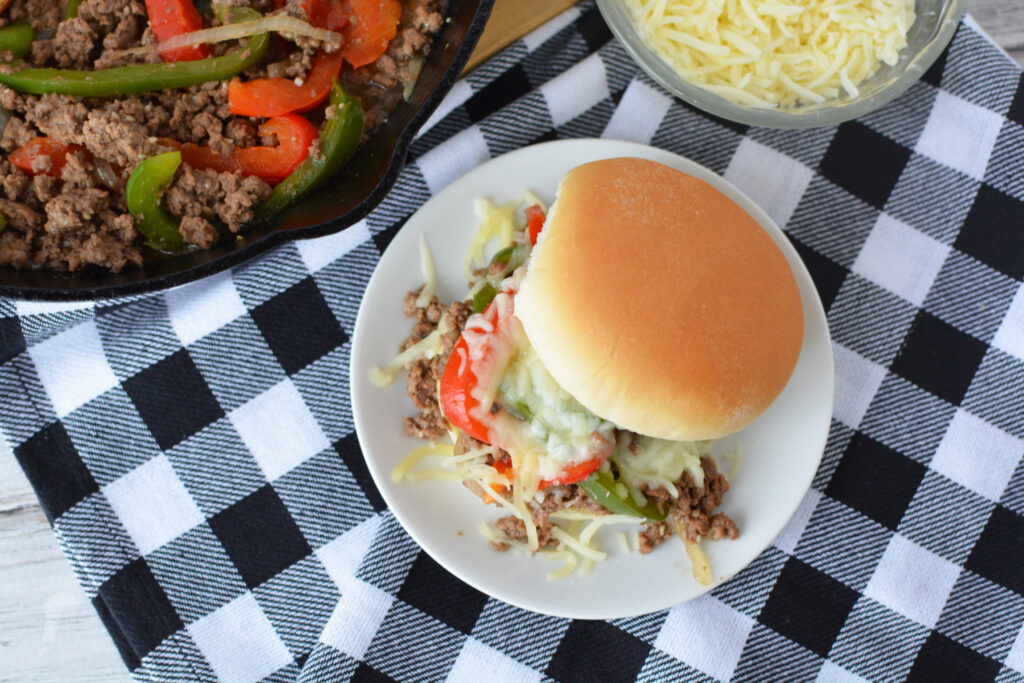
660, 304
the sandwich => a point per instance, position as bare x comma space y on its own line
601, 352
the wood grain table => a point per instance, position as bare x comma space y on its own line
48, 629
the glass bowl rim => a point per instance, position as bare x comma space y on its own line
795, 118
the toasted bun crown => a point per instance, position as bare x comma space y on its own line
659, 303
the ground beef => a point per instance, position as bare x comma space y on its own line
71, 48
107, 248
198, 231
70, 236
79, 217
40, 14
693, 509
198, 115
294, 65
19, 216
80, 172
423, 376
241, 132
105, 16
16, 133
122, 141
555, 498
652, 536
45, 187
228, 197
56, 116
125, 34
14, 182
71, 211
154, 118
515, 529
132, 31
121, 131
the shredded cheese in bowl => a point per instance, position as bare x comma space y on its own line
775, 53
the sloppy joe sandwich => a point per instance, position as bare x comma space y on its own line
597, 355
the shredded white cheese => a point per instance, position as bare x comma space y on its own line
576, 545
701, 566
646, 461
408, 462
775, 53
570, 563
623, 542
425, 348
495, 221
429, 276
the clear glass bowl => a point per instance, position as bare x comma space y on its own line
931, 32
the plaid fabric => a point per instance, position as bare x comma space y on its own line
195, 451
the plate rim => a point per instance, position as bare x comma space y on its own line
817, 314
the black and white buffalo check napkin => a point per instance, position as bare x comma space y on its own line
195, 452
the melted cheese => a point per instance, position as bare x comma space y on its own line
429, 275
657, 463
424, 349
495, 221
562, 428
775, 53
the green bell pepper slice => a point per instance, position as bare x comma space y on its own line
601, 487
338, 141
140, 78
17, 39
502, 256
72, 9
144, 189
483, 297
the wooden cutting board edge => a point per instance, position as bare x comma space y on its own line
511, 20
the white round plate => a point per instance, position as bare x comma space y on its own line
780, 451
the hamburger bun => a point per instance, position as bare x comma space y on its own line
660, 304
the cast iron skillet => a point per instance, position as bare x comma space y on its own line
352, 194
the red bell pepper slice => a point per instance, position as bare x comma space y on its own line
25, 156
273, 164
535, 223
457, 400
169, 18
328, 14
570, 475
462, 375
371, 26
278, 96
578, 471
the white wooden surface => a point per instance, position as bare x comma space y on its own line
48, 629
1004, 22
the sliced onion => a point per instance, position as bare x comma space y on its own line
415, 66
5, 116
107, 175
280, 23
277, 69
